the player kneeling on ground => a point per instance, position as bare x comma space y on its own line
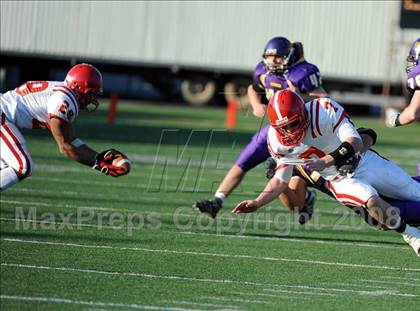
53, 105
320, 135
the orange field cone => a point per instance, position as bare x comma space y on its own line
231, 110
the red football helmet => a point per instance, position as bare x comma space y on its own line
86, 81
288, 116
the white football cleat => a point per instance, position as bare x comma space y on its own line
412, 237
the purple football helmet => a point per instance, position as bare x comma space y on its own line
413, 55
281, 47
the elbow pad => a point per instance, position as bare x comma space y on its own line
370, 132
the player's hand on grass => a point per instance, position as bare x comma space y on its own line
247, 206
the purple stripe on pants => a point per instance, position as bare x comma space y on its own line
409, 210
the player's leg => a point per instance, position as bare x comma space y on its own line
388, 178
409, 210
14, 154
293, 198
358, 193
254, 153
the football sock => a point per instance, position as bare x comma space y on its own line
409, 230
220, 195
8, 178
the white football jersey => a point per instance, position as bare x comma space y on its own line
328, 127
35, 103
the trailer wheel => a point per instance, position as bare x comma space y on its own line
198, 92
237, 90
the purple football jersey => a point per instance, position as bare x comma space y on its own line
305, 76
413, 79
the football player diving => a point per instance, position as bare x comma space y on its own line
320, 135
283, 66
408, 210
53, 105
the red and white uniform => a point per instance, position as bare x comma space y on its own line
328, 127
31, 106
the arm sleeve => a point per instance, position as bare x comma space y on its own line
347, 129
334, 118
62, 106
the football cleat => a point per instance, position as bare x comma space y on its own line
305, 214
413, 239
210, 207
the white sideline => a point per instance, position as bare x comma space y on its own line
91, 303
304, 261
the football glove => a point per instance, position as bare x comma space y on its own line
103, 162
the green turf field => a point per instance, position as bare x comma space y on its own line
72, 238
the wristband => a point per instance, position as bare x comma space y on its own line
344, 152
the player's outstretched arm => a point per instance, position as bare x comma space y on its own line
77, 150
272, 190
411, 112
69, 145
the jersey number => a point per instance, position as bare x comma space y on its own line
411, 83
31, 87
315, 79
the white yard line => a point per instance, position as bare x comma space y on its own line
297, 294
237, 300
351, 291
90, 303
223, 281
292, 240
400, 278
390, 282
259, 258
355, 285
203, 304
217, 235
